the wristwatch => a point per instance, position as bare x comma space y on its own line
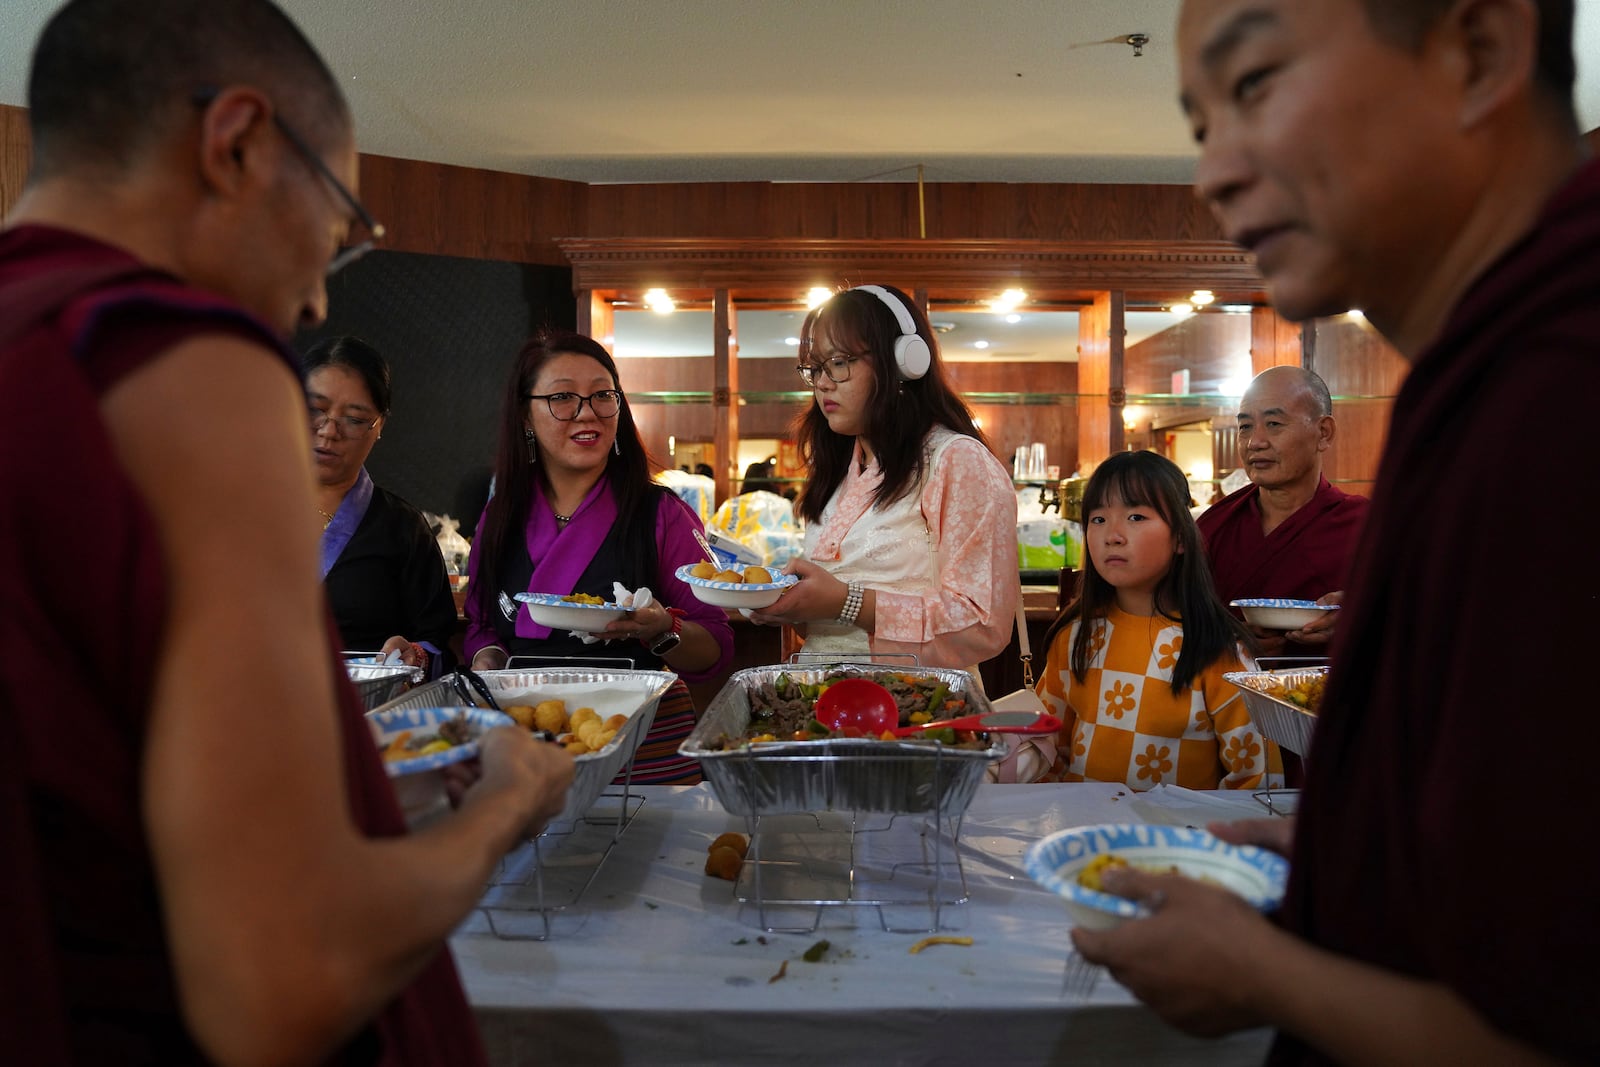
669, 640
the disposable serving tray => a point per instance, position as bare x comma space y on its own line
635, 694
378, 684
1290, 725
788, 777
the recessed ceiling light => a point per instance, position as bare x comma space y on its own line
980, 344
1013, 318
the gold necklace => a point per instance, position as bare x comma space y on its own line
327, 519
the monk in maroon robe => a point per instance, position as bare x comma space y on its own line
1289, 533
1421, 162
201, 859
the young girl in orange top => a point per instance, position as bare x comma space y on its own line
1135, 663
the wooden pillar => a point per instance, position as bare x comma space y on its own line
597, 319
1117, 335
1274, 341
1101, 387
725, 387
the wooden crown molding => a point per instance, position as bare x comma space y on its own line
758, 265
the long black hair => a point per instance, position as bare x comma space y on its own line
1185, 594
899, 413
627, 470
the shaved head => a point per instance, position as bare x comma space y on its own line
1296, 379
111, 77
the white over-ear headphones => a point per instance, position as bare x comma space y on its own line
911, 354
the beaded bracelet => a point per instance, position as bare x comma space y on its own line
852, 604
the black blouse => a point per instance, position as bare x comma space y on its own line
390, 581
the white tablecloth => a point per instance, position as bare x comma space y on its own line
657, 963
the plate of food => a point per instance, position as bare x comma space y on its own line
1276, 613
750, 588
575, 611
1070, 863
417, 743
416, 740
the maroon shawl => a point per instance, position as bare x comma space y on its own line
1447, 829
1305, 556
84, 971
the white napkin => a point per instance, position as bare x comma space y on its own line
621, 597
1173, 805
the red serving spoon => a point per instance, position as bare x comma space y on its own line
869, 707
859, 703
995, 722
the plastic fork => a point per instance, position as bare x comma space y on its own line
1079, 977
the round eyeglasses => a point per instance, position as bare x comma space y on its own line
837, 369
566, 406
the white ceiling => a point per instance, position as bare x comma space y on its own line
775, 90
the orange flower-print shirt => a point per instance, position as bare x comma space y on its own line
1123, 723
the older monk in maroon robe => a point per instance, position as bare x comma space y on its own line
1289, 533
1419, 160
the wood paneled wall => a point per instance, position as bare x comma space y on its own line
1362, 371
479, 214
881, 210
16, 152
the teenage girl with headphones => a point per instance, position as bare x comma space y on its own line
911, 536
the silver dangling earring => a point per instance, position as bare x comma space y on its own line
616, 446
533, 447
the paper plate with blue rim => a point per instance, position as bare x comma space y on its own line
747, 595
424, 722
1277, 613
1055, 862
558, 613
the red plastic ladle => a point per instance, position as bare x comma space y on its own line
869, 707
995, 722
860, 703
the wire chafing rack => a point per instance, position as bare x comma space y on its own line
546, 876
844, 823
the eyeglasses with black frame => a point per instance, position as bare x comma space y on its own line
371, 230
567, 406
837, 368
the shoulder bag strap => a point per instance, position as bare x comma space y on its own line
1022, 641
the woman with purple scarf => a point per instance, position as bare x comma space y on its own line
381, 566
575, 510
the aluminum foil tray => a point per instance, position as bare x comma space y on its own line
378, 685
632, 693
1288, 724
787, 777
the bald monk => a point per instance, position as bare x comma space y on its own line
201, 857
1289, 533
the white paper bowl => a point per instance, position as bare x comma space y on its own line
1278, 614
548, 609
737, 594
1255, 874
419, 783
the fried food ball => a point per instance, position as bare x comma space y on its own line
758, 575
577, 748
732, 840
703, 569
728, 576
724, 863
581, 716
550, 715
523, 715
617, 721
